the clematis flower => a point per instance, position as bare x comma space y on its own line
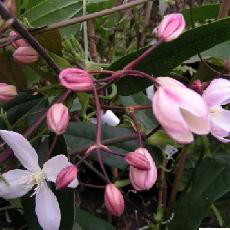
150, 92
18, 182
180, 110
216, 95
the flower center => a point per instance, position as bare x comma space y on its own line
215, 111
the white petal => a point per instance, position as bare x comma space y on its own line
74, 183
222, 120
53, 166
14, 186
47, 208
150, 92
22, 149
110, 118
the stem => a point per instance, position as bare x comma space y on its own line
105, 142
224, 8
137, 128
52, 147
92, 185
5, 14
162, 197
134, 73
133, 64
85, 33
178, 176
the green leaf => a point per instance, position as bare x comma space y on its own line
83, 134
169, 55
211, 181
90, 222
50, 11
201, 13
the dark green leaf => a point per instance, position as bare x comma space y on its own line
169, 55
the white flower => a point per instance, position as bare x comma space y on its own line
169, 151
19, 182
107, 118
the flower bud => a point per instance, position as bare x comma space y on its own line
114, 201
58, 118
138, 161
25, 55
143, 180
76, 79
171, 27
7, 92
18, 43
197, 86
66, 176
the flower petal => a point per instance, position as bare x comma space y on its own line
217, 93
198, 125
53, 166
74, 183
181, 137
47, 208
110, 118
22, 149
150, 92
166, 110
222, 120
14, 187
219, 133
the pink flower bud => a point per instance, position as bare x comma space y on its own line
171, 27
114, 201
197, 86
76, 79
137, 160
66, 176
18, 43
143, 180
7, 92
58, 118
25, 55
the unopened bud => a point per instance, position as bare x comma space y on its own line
114, 201
7, 92
25, 55
58, 118
197, 86
137, 160
76, 79
140, 179
66, 176
18, 43
171, 27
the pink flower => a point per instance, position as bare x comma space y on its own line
171, 27
7, 92
114, 201
76, 79
216, 95
137, 160
58, 118
180, 110
143, 180
25, 55
66, 176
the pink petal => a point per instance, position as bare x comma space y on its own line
217, 93
222, 120
219, 133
